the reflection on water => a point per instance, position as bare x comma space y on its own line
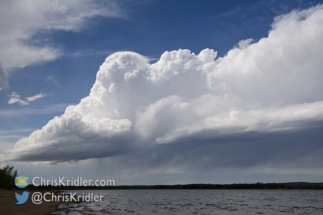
222, 202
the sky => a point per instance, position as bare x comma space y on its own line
163, 92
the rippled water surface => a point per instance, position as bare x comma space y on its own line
186, 202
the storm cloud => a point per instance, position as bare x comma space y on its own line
263, 95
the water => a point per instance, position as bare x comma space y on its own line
184, 202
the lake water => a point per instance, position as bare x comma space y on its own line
222, 202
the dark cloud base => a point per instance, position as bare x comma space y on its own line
297, 149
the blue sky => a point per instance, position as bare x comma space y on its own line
50, 59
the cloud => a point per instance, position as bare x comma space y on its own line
56, 108
35, 97
11, 136
21, 21
284, 66
3, 78
89, 52
15, 98
51, 79
210, 110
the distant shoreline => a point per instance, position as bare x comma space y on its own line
252, 186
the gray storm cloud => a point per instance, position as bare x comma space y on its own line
270, 86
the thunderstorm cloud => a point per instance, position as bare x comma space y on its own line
260, 91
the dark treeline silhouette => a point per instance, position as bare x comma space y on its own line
7, 177
291, 185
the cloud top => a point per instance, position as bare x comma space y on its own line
270, 86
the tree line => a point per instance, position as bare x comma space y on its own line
7, 177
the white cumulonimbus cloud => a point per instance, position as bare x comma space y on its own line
272, 85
